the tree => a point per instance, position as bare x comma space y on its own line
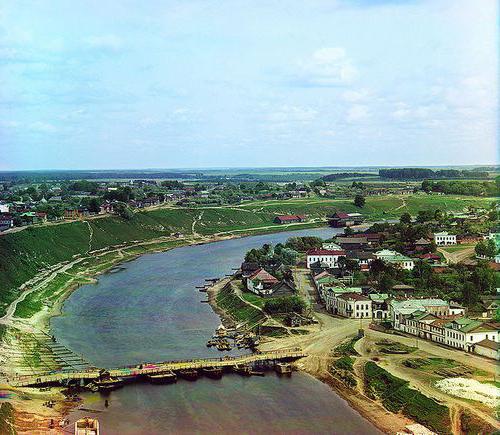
303, 244
94, 205
427, 186
486, 248
348, 231
285, 304
123, 211
359, 201
405, 218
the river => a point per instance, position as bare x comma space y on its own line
149, 310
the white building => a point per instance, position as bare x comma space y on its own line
331, 295
487, 348
400, 310
395, 258
354, 305
326, 256
464, 333
445, 239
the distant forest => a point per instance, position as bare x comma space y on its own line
429, 174
341, 175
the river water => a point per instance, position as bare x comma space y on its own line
149, 310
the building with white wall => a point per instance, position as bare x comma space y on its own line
445, 239
326, 256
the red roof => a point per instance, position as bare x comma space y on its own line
429, 256
341, 215
290, 217
263, 275
325, 252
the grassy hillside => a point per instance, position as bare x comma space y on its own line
24, 253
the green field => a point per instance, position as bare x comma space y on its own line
25, 253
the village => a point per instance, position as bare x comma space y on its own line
40, 200
358, 275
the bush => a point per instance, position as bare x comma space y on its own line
344, 363
303, 244
286, 304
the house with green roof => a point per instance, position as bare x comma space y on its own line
395, 258
464, 333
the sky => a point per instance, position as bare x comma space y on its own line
239, 83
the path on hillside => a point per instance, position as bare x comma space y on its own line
11, 309
193, 225
403, 204
91, 235
457, 256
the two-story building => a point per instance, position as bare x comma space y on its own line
326, 256
354, 305
445, 239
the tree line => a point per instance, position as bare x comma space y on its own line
424, 173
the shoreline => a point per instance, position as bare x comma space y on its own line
369, 409
29, 409
41, 320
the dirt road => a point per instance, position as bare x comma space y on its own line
457, 256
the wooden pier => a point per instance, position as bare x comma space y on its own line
63, 377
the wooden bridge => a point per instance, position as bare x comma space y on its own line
64, 376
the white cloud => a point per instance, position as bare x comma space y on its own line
104, 42
329, 66
357, 112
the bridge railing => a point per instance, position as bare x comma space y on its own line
154, 367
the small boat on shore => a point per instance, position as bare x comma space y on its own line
109, 384
163, 378
189, 374
212, 372
87, 426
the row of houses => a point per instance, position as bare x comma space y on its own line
442, 322
329, 258
430, 319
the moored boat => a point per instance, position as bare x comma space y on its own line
109, 384
213, 372
163, 378
188, 374
87, 426
243, 370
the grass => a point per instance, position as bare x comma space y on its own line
238, 309
397, 396
347, 347
254, 299
390, 347
430, 363
344, 363
457, 248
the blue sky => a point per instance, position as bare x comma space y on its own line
200, 83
